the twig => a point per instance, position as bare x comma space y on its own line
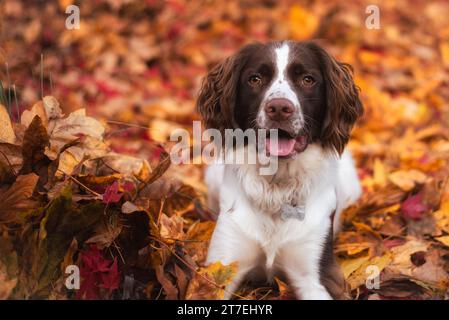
17, 103
51, 84
9, 86
78, 182
42, 75
160, 211
119, 251
127, 124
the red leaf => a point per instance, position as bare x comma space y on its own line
93, 260
111, 279
390, 243
88, 288
111, 195
413, 208
128, 186
97, 272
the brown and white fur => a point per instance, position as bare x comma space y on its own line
299, 89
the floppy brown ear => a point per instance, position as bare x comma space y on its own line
343, 102
217, 96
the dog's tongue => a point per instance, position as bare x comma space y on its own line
283, 147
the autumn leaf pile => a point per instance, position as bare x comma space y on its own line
96, 189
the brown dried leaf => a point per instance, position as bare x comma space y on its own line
171, 228
16, 198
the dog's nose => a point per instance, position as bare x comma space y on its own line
279, 109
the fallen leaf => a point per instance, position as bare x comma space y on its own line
6, 284
171, 228
105, 234
6, 131
360, 275
413, 208
210, 282
16, 198
406, 180
444, 240
112, 195
35, 141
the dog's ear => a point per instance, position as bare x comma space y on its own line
342, 98
218, 93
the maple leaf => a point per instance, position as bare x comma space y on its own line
94, 261
89, 287
97, 272
110, 279
413, 208
210, 282
172, 228
112, 195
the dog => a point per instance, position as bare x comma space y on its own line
311, 99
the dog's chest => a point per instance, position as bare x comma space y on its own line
275, 234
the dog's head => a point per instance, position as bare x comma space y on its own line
295, 87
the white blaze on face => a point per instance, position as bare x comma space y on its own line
280, 87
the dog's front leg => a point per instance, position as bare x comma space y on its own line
301, 257
229, 244
301, 262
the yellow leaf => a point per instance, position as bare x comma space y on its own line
198, 237
210, 282
366, 228
407, 179
92, 180
360, 275
283, 288
444, 49
6, 130
380, 173
302, 24
444, 240
348, 266
442, 217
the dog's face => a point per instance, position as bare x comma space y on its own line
295, 87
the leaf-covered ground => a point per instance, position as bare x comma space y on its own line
85, 177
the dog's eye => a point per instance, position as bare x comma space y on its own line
307, 81
255, 80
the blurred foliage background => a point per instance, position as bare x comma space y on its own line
141, 63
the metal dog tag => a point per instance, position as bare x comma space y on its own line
288, 211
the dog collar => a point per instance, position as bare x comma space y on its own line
295, 212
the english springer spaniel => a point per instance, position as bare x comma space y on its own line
311, 99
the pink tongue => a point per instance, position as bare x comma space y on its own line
284, 147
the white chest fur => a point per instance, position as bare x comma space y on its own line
254, 202
250, 229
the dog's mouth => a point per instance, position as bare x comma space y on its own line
287, 144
